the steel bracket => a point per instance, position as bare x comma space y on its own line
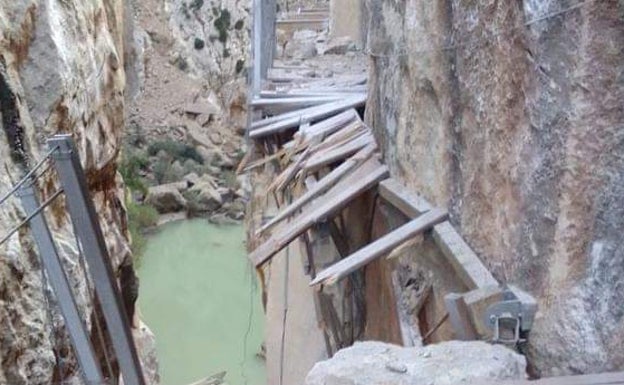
515, 313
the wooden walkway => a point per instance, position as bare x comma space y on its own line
326, 157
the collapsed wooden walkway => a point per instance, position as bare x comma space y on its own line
311, 132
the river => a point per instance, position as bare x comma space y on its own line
201, 300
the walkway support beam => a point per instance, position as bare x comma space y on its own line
89, 233
62, 290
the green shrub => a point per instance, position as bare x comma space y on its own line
141, 217
230, 179
179, 151
222, 24
130, 169
138, 244
199, 43
160, 169
196, 5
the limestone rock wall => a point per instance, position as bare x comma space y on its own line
212, 36
61, 71
509, 113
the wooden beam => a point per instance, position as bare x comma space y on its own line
459, 315
321, 186
295, 102
320, 160
410, 204
380, 247
467, 265
296, 93
363, 178
260, 129
329, 126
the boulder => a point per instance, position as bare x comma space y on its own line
301, 49
166, 198
222, 219
198, 135
339, 46
191, 179
448, 363
204, 195
305, 35
226, 194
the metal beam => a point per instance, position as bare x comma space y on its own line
58, 280
256, 78
88, 230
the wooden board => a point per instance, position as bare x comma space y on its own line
329, 126
296, 101
321, 186
410, 204
296, 93
459, 316
295, 118
467, 265
380, 247
320, 160
363, 178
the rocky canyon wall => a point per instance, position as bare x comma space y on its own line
61, 71
509, 114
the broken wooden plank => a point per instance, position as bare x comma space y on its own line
277, 118
363, 178
260, 162
380, 247
329, 126
408, 324
320, 160
320, 187
297, 93
467, 265
304, 115
295, 102
290, 90
465, 262
410, 204
459, 316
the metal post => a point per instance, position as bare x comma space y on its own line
58, 280
89, 233
257, 48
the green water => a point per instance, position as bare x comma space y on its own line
196, 295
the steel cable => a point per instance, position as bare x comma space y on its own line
39, 209
28, 176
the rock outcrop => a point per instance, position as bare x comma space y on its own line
61, 71
449, 363
510, 115
166, 198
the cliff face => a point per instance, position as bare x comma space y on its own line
61, 71
514, 122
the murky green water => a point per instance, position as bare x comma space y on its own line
196, 295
